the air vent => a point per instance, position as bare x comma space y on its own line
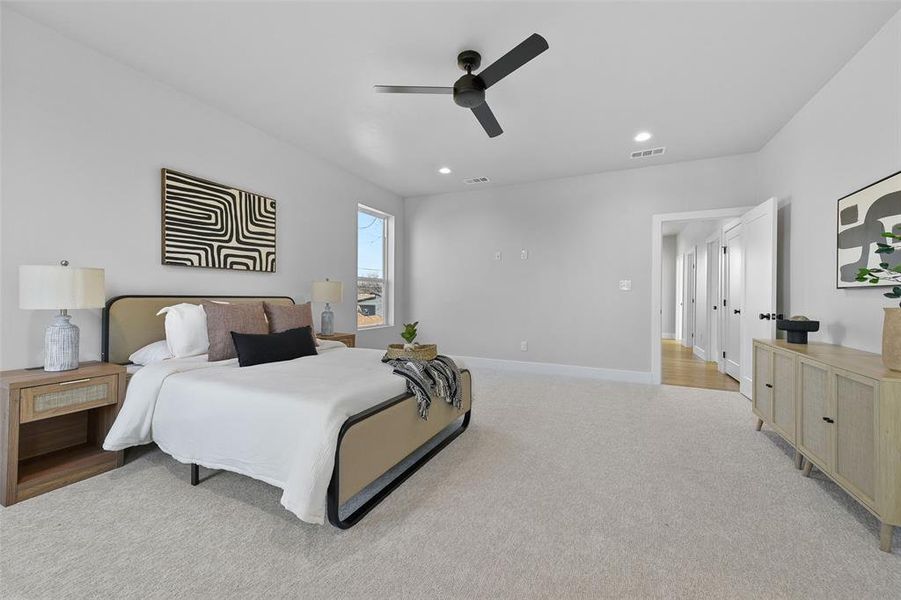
476, 180
649, 153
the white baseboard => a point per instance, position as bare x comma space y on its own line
540, 368
700, 353
669, 336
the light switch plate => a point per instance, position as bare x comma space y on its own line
497, 255
524, 254
625, 284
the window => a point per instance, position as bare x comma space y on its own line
374, 266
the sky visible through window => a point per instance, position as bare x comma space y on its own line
370, 229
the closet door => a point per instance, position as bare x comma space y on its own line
784, 394
762, 396
855, 400
814, 403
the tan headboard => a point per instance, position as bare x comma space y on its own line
130, 322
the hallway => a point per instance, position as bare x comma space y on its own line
681, 367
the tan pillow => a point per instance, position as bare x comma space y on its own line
222, 319
284, 317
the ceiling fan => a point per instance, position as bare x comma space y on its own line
469, 90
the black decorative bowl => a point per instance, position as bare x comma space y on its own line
797, 329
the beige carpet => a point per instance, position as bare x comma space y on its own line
561, 488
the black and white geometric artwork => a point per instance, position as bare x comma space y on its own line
207, 224
862, 218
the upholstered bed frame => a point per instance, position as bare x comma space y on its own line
370, 443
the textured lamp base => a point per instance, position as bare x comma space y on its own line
327, 325
61, 345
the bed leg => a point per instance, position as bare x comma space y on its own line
195, 474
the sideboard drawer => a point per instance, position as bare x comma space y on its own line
44, 401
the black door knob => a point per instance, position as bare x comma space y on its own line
828, 420
764, 316
736, 311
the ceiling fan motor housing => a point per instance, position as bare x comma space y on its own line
469, 91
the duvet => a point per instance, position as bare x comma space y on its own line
276, 422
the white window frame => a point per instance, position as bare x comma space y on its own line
387, 265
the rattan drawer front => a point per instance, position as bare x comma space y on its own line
46, 401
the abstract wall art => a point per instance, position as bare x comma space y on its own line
862, 218
207, 224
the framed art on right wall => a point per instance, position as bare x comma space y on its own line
862, 218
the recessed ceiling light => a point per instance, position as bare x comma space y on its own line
444, 171
643, 136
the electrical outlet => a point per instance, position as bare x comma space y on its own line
524, 346
625, 284
497, 255
524, 254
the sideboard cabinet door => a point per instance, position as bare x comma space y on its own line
855, 401
814, 433
762, 398
784, 394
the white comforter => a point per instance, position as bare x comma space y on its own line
276, 422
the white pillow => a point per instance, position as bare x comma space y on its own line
186, 330
151, 353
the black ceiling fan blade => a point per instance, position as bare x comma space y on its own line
486, 118
412, 89
514, 59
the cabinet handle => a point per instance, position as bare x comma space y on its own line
769, 385
828, 420
74, 381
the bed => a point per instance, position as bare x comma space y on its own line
321, 428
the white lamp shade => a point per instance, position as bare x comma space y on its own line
46, 287
328, 291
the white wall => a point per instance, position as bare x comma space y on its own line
668, 286
84, 138
583, 234
846, 137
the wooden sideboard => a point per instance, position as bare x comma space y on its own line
841, 410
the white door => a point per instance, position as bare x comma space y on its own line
758, 317
732, 297
688, 323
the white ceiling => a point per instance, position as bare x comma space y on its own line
708, 79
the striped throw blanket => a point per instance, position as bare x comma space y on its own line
438, 377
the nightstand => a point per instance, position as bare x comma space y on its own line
348, 339
53, 425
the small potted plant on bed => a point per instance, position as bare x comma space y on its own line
410, 350
888, 274
409, 334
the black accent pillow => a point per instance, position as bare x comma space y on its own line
259, 348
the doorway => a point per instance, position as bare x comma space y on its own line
712, 260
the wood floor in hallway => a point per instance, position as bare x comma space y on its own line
682, 367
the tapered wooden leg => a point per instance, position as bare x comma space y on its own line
885, 537
759, 425
799, 460
808, 467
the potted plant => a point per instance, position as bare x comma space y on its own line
891, 274
409, 334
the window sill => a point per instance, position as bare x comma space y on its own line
373, 327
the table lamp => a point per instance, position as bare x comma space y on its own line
328, 292
47, 287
